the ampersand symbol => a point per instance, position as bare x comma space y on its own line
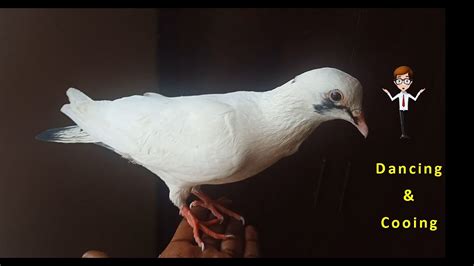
408, 196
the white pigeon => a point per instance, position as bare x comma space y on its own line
191, 141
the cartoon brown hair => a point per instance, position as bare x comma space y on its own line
401, 70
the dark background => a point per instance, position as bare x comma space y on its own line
324, 201
61, 200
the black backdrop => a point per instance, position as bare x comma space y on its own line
326, 200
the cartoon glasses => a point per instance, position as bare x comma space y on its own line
407, 81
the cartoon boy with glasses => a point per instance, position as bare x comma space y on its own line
403, 78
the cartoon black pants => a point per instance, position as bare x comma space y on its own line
402, 122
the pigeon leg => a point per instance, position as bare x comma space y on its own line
216, 208
214, 211
197, 225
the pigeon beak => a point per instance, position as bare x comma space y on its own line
359, 122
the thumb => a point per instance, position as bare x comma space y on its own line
92, 254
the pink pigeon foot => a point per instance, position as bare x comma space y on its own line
216, 208
197, 225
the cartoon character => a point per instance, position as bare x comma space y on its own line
403, 78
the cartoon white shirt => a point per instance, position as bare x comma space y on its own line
403, 98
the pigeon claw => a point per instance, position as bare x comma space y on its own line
197, 226
216, 208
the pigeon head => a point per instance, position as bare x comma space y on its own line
332, 94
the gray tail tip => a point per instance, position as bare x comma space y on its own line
49, 135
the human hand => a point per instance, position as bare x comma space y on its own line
182, 245
386, 91
422, 90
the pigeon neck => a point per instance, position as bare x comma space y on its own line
288, 121
287, 104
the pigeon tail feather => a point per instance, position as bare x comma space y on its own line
70, 134
76, 96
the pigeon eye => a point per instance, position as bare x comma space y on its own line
335, 96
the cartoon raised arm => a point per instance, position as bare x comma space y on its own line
418, 94
389, 95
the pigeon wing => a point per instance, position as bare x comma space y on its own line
183, 139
